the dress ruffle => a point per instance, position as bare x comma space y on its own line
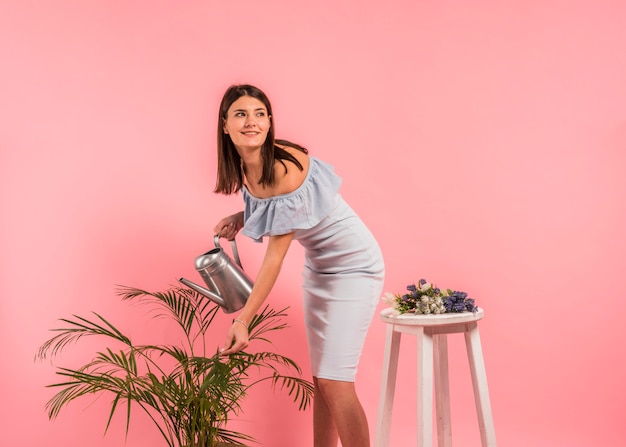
300, 209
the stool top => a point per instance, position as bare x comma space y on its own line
390, 316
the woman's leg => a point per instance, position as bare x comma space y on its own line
324, 429
337, 411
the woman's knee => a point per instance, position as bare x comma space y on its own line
329, 388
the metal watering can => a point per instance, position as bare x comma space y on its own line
227, 283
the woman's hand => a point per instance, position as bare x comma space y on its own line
236, 339
229, 226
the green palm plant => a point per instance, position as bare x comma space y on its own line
187, 395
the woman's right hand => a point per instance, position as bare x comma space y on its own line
229, 226
237, 338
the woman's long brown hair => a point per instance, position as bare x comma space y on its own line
229, 174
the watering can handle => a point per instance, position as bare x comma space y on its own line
233, 245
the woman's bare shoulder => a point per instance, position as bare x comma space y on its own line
290, 179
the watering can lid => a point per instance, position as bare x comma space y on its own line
214, 255
209, 258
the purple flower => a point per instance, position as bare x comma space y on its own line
461, 295
411, 288
458, 302
470, 306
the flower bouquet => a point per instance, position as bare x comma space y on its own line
425, 298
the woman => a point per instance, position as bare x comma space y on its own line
290, 195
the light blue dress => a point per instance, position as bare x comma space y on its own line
343, 272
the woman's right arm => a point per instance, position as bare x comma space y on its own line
229, 226
237, 337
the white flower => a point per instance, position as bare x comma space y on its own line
424, 287
389, 298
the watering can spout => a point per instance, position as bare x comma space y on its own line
204, 291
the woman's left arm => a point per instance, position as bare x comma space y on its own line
277, 247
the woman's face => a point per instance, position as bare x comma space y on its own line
247, 123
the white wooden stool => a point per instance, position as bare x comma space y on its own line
432, 331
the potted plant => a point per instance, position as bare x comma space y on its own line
188, 395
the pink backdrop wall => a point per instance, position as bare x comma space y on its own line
483, 143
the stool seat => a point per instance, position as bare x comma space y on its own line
409, 319
432, 368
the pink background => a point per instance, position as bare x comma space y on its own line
483, 143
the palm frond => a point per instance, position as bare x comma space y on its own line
233, 437
81, 383
79, 327
206, 312
174, 301
268, 359
301, 390
267, 320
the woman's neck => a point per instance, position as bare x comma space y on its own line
252, 166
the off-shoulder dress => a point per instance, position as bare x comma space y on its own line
343, 272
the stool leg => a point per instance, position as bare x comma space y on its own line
442, 391
479, 383
424, 388
387, 387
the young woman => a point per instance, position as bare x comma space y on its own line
290, 195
